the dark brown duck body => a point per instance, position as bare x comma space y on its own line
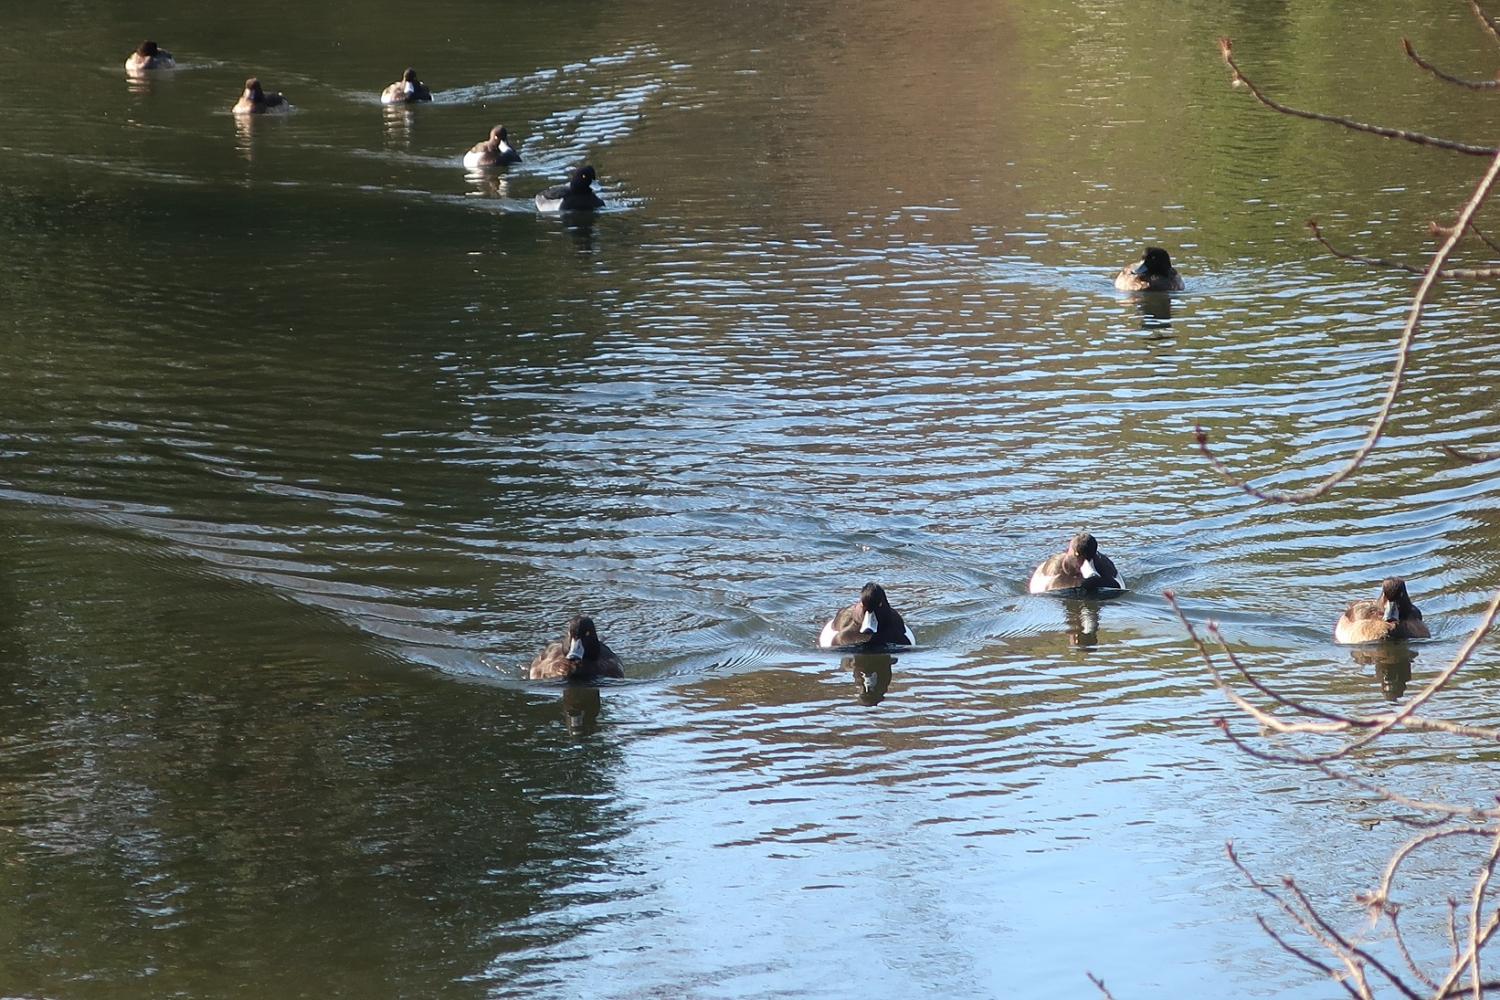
869, 621
575, 196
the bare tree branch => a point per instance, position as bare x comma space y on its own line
1398, 374
1393, 912
1255, 682
1411, 54
1444, 810
1364, 957
1485, 19
1226, 47
1373, 726
1470, 456
1330, 941
1467, 273
1453, 927
1327, 970
1438, 229
1100, 984
1475, 911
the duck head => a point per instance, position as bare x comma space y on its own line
1155, 262
1082, 549
1395, 601
253, 91
872, 598
583, 639
582, 178
409, 81
149, 49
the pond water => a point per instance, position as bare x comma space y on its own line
308, 441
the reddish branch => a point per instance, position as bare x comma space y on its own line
1226, 48
1485, 19
1438, 229
1411, 53
1370, 727
1467, 273
1398, 374
1470, 456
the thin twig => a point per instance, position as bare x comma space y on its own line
1102, 988
1470, 456
1485, 19
1267, 690
1446, 987
1393, 864
1226, 48
1438, 229
1463, 273
1394, 912
1374, 726
1331, 941
1398, 374
1446, 810
1411, 54
1353, 949
1324, 968
1453, 927
1477, 907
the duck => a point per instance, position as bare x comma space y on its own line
496, 151
1080, 567
406, 90
579, 655
1389, 617
868, 622
574, 196
149, 56
255, 101
1154, 273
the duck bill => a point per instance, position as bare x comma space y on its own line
1088, 569
1392, 613
870, 624
1140, 270
575, 651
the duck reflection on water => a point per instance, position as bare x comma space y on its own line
581, 702
1155, 312
1392, 663
244, 136
397, 119
581, 230
872, 675
486, 184
1081, 621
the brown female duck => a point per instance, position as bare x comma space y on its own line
579, 656
1154, 273
406, 90
149, 56
255, 101
1389, 617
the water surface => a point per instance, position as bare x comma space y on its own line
308, 441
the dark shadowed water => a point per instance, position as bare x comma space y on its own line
308, 441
